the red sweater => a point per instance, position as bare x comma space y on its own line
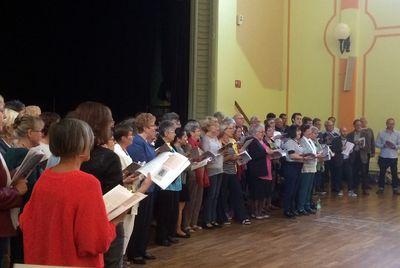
65, 221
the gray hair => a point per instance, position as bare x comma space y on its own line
254, 129
170, 116
254, 118
219, 115
165, 126
70, 137
191, 126
226, 123
314, 129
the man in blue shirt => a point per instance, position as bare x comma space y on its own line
388, 141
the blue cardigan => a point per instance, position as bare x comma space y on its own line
141, 151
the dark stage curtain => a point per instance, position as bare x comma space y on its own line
59, 53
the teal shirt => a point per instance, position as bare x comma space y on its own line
176, 185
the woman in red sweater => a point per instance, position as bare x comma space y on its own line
65, 221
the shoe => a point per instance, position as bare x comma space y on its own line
295, 213
289, 214
380, 191
138, 260
322, 193
260, 217
246, 222
265, 216
208, 226
189, 230
164, 243
303, 213
173, 240
340, 193
396, 192
253, 216
196, 227
311, 211
365, 192
352, 194
216, 225
227, 223
149, 256
186, 235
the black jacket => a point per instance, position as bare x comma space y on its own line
257, 166
105, 165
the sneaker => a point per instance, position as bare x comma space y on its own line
260, 217
352, 194
380, 191
340, 193
396, 192
246, 222
265, 216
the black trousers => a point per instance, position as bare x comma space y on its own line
167, 214
17, 248
222, 204
139, 240
292, 171
384, 163
360, 173
4, 243
342, 170
231, 197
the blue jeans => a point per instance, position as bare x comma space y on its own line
211, 198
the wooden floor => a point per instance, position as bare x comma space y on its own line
347, 232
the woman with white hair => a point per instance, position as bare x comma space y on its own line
230, 183
259, 170
210, 142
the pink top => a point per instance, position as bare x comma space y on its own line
269, 165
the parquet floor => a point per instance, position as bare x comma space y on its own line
347, 232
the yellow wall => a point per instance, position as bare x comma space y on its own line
233, 64
310, 63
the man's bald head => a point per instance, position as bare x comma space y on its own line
343, 131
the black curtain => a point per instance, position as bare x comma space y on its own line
59, 53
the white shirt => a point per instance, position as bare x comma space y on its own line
124, 157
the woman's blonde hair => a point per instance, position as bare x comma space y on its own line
208, 122
24, 123
10, 116
32, 110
